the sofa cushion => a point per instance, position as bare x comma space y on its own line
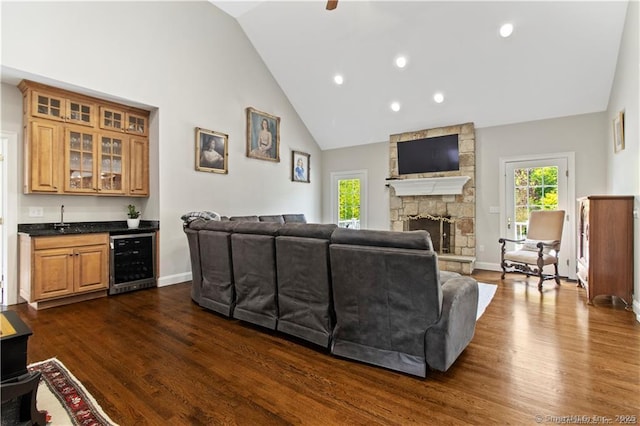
308, 230
212, 225
294, 218
244, 218
363, 237
385, 299
261, 228
254, 273
277, 218
305, 307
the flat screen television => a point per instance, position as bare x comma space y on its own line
437, 154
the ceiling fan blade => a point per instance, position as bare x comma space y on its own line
332, 4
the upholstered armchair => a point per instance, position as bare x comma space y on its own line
539, 249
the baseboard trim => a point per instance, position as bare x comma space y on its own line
636, 309
174, 279
487, 266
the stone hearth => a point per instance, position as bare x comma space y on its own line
457, 204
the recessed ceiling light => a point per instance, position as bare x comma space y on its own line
438, 97
506, 30
395, 106
338, 79
401, 61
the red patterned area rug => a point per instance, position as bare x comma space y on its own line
64, 398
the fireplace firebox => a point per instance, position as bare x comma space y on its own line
440, 228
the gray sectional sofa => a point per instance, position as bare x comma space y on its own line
372, 296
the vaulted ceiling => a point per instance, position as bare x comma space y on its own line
559, 61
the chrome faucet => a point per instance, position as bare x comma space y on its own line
61, 226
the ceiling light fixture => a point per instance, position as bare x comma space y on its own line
395, 106
401, 61
506, 30
338, 79
438, 97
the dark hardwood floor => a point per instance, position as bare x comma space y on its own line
153, 357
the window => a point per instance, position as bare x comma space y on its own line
536, 188
349, 203
348, 195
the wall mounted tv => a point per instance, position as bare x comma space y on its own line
437, 154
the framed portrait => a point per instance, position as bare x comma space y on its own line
263, 135
211, 151
618, 132
300, 171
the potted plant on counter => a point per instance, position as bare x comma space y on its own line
134, 217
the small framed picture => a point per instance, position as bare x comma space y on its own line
300, 167
211, 151
263, 135
618, 132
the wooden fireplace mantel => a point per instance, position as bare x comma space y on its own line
429, 186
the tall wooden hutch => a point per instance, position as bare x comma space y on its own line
605, 246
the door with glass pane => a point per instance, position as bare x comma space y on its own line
348, 193
59, 108
111, 164
79, 161
536, 185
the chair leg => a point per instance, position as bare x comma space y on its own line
540, 270
557, 276
540, 282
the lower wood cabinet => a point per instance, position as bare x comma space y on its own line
56, 270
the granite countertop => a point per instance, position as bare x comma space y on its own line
112, 227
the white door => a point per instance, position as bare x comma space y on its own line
539, 184
348, 195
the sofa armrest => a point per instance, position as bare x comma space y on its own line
446, 339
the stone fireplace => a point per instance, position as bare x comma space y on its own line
431, 200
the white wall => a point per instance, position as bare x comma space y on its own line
583, 134
194, 66
375, 159
623, 176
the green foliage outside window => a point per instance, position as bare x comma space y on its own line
535, 189
349, 199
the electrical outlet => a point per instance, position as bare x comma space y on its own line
36, 212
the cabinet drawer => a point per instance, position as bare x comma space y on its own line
41, 243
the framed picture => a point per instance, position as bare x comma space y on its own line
211, 151
263, 135
618, 132
300, 167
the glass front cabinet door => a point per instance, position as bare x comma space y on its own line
123, 121
59, 108
111, 163
79, 161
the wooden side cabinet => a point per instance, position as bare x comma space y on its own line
605, 246
57, 270
43, 156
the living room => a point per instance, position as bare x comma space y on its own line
191, 65
198, 92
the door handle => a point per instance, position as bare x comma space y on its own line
508, 223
